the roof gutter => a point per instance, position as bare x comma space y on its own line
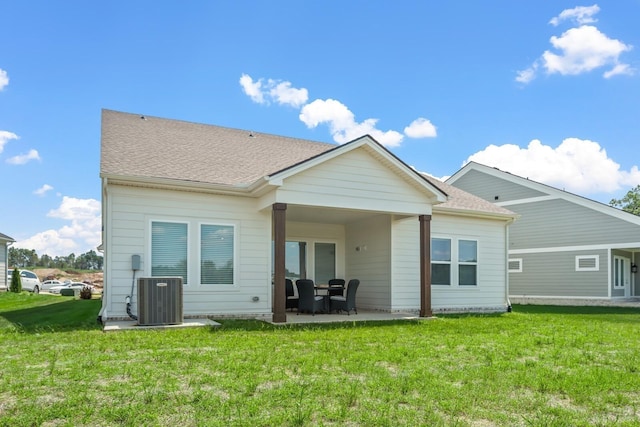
477, 214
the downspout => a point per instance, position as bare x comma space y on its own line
506, 270
102, 314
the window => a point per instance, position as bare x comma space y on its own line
515, 265
217, 254
441, 261
325, 262
169, 242
295, 260
320, 256
467, 262
588, 263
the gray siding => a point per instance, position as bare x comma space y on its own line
554, 274
554, 223
488, 187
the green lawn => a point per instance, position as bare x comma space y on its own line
550, 366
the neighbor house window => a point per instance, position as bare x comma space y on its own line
169, 243
217, 254
587, 262
467, 262
515, 265
440, 261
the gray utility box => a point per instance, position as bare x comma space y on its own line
159, 301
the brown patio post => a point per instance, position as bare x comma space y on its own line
425, 266
279, 219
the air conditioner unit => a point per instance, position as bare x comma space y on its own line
159, 301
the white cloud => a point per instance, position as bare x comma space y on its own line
580, 14
337, 116
4, 79
525, 76
5, 137
342, 124
24, 158
580, 49
261, 91
576, 165
583, 49
421, 128
43, 190
284, 94
252, 89
82, 235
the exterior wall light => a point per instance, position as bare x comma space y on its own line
634, 268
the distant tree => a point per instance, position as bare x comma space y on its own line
16, 281
19, 257
630, 202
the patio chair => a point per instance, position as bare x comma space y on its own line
308, 301
336, 287
348, 303
292, 299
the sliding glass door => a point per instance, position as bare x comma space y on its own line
298, 255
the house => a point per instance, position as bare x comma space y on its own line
563, 246
235, 212
5, 241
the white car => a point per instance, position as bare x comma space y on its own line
48, 284
29, 280
70, 285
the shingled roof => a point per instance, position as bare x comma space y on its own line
134, 145
460, 200
152, 147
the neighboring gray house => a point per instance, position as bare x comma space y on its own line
234, 212
5, 241
563, 246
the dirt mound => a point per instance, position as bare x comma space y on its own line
75, 276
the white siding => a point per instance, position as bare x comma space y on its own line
489, 294
372, 263
3, 265
130, 212
492, 254
354, 180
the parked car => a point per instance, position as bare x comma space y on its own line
71, 285
29, 280
48, 284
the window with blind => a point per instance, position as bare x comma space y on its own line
217, 254
169, 243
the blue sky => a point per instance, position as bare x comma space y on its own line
545, 90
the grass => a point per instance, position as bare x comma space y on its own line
552, 366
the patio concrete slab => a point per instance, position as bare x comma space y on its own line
362, 316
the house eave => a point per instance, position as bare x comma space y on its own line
172, 184
475, 214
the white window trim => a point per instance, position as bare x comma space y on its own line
594, 257
515, 270
454, 278
225, 286
476, 263
149, 256
450, 263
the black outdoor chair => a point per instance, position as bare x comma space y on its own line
348, 303
308, 301
336, 287
292, 299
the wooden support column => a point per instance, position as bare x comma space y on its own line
425, 266
279, 220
